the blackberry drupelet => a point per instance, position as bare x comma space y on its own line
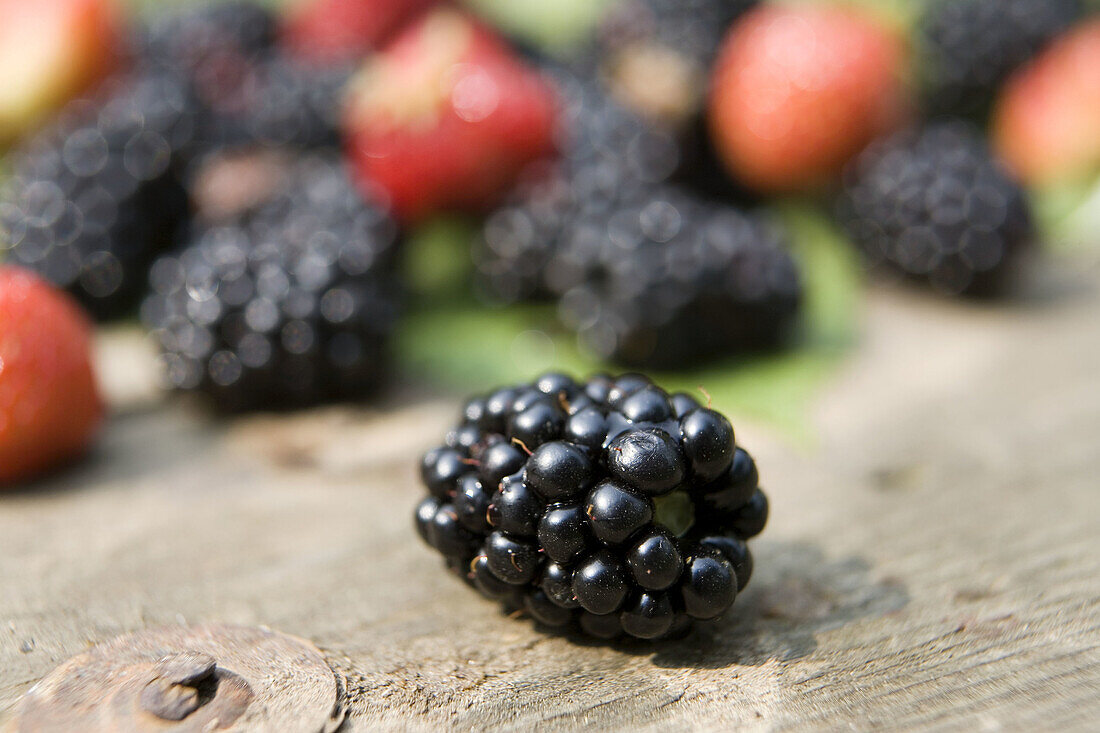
289, 304
93, 199
967, 48
647, 274
639, 531
934, 205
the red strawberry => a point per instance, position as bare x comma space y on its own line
50, 51
338, 30
446, 117
1047, 121
49, 405
798, 90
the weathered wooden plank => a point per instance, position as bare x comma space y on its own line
932, 561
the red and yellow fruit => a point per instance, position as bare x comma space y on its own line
338, 30
797, 91
49, 404
1047, 121
50, 51
446, 117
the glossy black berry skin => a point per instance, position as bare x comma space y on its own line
600, 583
706, 438
510, 559
440, 470
630, 520
425, 514
649, 404
485, 581
719, 501
514, 508
737, 552
537, 424
708, 587
557, 583
564, 533
649, 460
751, 518
471, 503
616, 512
587, 428
448, 536
558, 471
497, 461
654, 560
648, 615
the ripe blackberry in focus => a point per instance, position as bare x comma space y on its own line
967, 48
608, 505
286, 305
934, 205
93, 199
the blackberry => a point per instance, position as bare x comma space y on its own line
248, 91
289, 304
670, 280
93, 199
643, 271
934, 205
610, 156
638, 529
967, 48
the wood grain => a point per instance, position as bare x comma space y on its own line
932, 560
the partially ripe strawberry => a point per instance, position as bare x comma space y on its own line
1047, 121
49, 405
446, 117
798, 90
327, 31
50, 51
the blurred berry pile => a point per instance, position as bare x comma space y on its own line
246, 177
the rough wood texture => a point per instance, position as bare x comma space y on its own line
932, 560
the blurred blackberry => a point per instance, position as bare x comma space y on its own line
657, 54
607, 506
645, 272
967, 48
287, 305
93, 199
610, 156
934, 205
213, 45
668, 280
295, 105
250, 92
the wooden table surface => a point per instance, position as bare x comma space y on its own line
932, 560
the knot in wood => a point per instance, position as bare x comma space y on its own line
184, 682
